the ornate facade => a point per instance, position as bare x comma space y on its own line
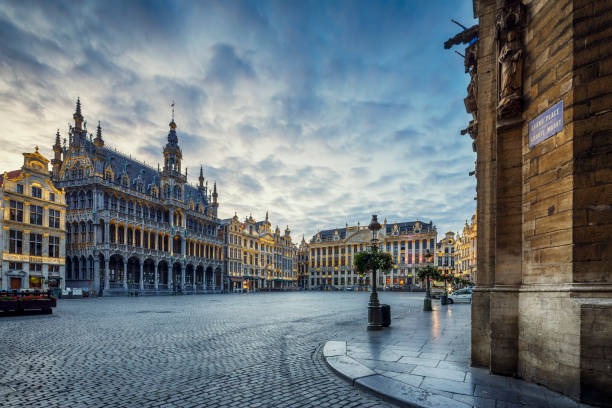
257, 257
32, 219
130, 227
466, 250
331, 254
446, 253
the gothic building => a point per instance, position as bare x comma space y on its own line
133, 228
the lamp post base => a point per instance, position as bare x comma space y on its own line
427, 305
374, 317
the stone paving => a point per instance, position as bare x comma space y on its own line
255, 350
423, 360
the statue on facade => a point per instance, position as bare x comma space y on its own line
510, 18
511, 77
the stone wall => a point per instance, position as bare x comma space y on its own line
542, 309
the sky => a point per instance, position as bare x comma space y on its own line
320, 112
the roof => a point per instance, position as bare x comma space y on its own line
403, 228
11, 175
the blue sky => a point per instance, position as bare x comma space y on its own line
320, 112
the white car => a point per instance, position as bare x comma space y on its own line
461, 296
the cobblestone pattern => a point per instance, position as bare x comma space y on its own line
260, 350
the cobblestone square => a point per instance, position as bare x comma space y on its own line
186, 351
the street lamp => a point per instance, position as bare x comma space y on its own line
374, 310
427, 300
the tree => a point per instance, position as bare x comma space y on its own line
372, 260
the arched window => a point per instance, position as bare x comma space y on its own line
89, 199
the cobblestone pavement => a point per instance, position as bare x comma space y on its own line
256, 350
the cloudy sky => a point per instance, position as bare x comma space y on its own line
321, 112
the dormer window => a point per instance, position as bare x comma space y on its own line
36, 192
125, 181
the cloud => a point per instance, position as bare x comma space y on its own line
226, 68
320, 115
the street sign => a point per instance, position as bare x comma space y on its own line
546, 124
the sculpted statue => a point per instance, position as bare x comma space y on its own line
511, 78
510, 18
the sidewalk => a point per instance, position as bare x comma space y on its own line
423, 360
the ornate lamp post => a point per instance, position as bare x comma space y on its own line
427, 300
374, 310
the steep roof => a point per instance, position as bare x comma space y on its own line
11, 175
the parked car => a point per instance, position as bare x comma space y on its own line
461, 296
348, 288
436, 291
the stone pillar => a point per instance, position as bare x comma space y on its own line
106, 273
156, 276
125, 264
194, 279
170, 282
106, 231
97, 273
182, 276
141, 275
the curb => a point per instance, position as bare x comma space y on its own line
336, 358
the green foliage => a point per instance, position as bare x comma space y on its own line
372, 259
428, 271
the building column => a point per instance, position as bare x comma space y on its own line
170, 282
193, 282
182, 276
141, 275
106, 273
156, 275
106, 231
125, 264
96, 273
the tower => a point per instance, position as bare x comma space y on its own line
201, 179
98, 156
172, 180
56, 162
215, 204
77, 130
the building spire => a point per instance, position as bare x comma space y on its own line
78, 118
201, 178
58, 143
98, 140
78, 106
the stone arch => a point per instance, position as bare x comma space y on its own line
208, 278
68, 268
133, 271
189, 274
116, 270
102, 270
217, 277
199, 275
148, 271
162, 269
176, 244
90, 268
176, 274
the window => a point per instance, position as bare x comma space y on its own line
20, 188
54, 218
54, 269
34, 267
15, 242
51, 196
36, 215
54, 247
36, 244
36, 192
15, 266
16, 211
